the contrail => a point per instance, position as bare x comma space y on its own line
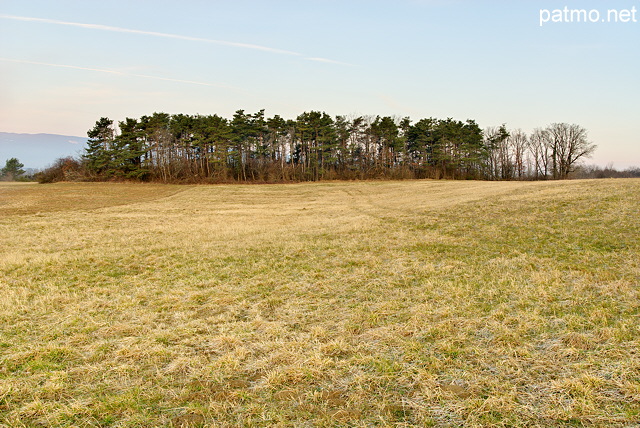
151, 33
120, 73
328, 61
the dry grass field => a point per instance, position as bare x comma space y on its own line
416, 303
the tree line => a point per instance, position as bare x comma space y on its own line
315, 146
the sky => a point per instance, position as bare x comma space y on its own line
66, 63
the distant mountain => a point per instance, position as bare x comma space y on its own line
38, 150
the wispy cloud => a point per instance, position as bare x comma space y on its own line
328, 61
120, 73
169, 36
151, 33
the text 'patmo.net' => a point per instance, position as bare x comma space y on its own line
592, 16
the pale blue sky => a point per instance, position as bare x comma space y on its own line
64, 64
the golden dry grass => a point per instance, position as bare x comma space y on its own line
418, 303
26, 198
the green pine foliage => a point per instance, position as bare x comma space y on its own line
316, 146
12, 170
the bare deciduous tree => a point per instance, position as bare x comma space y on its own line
540, 153
518, 143
569, 144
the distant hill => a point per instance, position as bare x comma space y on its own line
38, 150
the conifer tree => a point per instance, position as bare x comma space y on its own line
99, 153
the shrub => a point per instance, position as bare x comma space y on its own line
63, 169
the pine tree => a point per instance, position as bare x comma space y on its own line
12, 169
99, 153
